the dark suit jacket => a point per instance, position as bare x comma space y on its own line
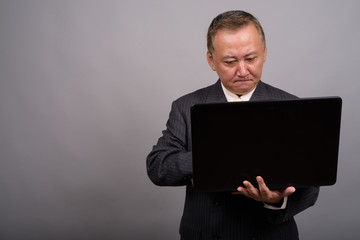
219, 215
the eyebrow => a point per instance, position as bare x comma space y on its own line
250, 53
227, 57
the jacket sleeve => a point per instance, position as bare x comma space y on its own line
170, 162
300, 200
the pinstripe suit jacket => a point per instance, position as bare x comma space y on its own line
219, 215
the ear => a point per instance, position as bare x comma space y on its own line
210, 60
265, 53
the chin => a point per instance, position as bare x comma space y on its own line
244, 89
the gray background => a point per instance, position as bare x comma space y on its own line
86, 88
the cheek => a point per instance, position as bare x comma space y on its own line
223, 72
255, 70
229, 73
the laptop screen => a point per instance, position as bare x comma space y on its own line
288, 143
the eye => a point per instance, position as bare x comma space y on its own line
230, 62
250, 59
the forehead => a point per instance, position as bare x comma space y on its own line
242, 39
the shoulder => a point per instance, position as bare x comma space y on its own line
195, 97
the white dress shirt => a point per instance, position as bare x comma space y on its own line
231, 97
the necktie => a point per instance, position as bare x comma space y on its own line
239, 99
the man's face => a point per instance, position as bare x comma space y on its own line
238, 58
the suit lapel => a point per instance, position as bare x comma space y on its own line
216, 94
260, 92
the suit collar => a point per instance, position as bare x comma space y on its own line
216, 94
260, 92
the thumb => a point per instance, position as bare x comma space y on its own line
288, 191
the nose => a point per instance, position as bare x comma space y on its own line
242, 69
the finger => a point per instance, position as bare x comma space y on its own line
248, 185
239, 191
264, 190
251, 191
262, 185
244, 191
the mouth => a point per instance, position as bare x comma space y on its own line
243, 80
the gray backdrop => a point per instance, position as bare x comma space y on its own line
86, 88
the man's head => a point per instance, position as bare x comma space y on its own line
232, 20
237, 50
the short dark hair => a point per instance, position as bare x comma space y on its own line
232, 20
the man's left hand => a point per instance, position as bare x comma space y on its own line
264, 194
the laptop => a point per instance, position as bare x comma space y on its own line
287, 142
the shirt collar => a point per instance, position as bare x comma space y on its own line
231, 97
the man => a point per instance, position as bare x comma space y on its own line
236, 51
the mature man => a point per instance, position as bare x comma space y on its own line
236, 51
